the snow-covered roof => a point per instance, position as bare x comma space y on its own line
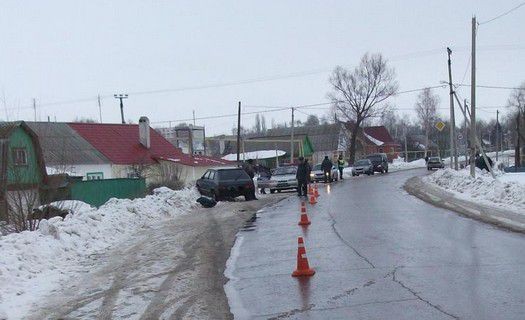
259, 154
374, 140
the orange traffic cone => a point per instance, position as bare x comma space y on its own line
316, 191
310, 189
303, 269
304, 217
312, 199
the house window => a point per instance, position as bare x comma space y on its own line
95, 175
20, 157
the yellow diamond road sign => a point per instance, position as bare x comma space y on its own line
440, 125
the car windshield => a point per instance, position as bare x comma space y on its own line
317, 167
285, 170
362, 163
233, 174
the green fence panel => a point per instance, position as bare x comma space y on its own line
97, 192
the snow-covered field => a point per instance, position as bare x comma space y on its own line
32, 263
507, 191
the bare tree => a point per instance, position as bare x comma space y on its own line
426, 106
357, 93
312, 120
517, 102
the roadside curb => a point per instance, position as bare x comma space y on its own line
441, 198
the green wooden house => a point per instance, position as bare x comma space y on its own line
22, 169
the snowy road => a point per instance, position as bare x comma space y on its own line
172, 270
379, 253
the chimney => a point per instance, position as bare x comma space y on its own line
144, 132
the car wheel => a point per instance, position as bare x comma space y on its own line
272, 191
214, 196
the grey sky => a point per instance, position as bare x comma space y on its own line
73, 50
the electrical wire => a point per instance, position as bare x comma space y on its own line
503, 14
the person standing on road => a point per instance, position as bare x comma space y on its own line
249, 168
302, 177
327, 165
340, 166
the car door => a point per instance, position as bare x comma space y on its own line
203, 183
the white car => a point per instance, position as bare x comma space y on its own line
283, 178
317, 174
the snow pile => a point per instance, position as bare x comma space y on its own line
32, 262
399, 164
483, 188
518, 177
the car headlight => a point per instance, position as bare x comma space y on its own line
312, 174
327, 173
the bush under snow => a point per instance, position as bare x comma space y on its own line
483, 188
31, 263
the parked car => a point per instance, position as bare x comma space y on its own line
226, 183
435, 163
363, 166
283, 178
317, 174
380, 162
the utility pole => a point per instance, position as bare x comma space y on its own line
517, 155
473, 135
497, 133
239, 135
453, 142
406, 149
194, 118
467, 112
121, 97
291, 137
99, 108
34, 107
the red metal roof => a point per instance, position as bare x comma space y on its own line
380, 133
120, 143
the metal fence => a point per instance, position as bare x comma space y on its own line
97, 192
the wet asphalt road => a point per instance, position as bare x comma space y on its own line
378, 253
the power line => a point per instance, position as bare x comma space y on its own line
503, 14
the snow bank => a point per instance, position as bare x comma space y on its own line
399, 164
32, 263
483, 188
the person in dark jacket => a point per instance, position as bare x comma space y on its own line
249, 168
308, 171
340, 166
302, 177
480, 162
327, 165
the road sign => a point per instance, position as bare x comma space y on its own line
440, 125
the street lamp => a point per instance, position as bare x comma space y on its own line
120, 97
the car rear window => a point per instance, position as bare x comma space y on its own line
433, 159
375, 158
233, 174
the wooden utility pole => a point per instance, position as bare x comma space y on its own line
291, 137
239, 135
99, 108
193, 117
473, 135
34, 107
497, 133
453, 142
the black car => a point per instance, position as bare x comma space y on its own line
380, 162
226, 183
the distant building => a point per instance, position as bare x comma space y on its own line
22, 170
190, 139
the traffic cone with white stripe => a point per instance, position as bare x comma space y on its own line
303, 268
312, 199
310, 189
304, 217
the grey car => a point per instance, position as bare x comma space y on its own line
363, 166
435, 163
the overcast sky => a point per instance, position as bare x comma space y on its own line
60, 51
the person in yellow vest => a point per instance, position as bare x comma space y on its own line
340, 166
